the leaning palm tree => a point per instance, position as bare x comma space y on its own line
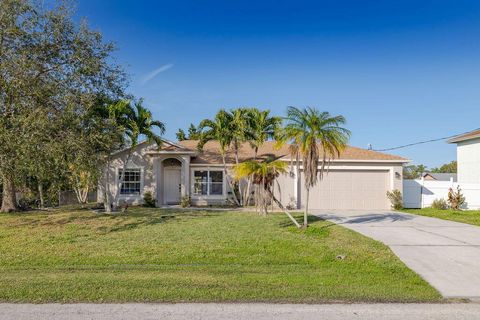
136, 122
263, 174
317, 137
220, 130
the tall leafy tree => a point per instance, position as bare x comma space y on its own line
318, 137
414, 171
49, 66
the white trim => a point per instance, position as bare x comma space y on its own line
145, 141
207, 196
167, 152
142, 183
364, 161
356, 168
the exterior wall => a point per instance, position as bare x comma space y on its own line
288, 188
285, 191
138, 159
468, 157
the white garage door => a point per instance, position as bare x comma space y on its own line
349, 190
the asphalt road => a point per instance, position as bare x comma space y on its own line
239, 311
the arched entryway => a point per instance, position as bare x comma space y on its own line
172, 181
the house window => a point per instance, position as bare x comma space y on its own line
208, 183
131, 181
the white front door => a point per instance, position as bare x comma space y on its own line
172, 185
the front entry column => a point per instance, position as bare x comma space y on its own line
185, 176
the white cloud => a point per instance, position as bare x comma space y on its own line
156, 72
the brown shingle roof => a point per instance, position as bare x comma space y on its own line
467, 136
211, 153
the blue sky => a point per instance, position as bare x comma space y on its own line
399, 71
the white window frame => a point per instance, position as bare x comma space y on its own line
129, 195
208, 183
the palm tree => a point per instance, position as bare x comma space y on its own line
263, 175
261, 127
135, 122
241, 133
220, 130
117, 114
312, 132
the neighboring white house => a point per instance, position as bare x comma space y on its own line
468, 157
422, 192
359, 179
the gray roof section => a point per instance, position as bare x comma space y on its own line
441, 176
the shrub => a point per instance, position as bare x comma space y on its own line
186, 202
292, 205
455, 198
148, 200
396, 199
439, 204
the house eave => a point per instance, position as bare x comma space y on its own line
186, 152
366, 160
461, 139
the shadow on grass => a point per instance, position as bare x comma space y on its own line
106, 223
311, 219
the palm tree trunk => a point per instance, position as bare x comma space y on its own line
305, 214
225, 173
280, 205
106, 198
9, 199
249, 182
40, 194
240, 190
121, 179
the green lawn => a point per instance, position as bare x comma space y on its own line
470, 216
158, 255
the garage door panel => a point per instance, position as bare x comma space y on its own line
349, 189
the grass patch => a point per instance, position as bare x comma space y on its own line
158, 255
467, 216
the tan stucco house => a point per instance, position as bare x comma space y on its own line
359, 179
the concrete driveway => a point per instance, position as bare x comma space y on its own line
444, 253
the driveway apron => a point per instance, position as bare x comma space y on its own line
444, 253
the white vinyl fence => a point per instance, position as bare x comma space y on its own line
421, 193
